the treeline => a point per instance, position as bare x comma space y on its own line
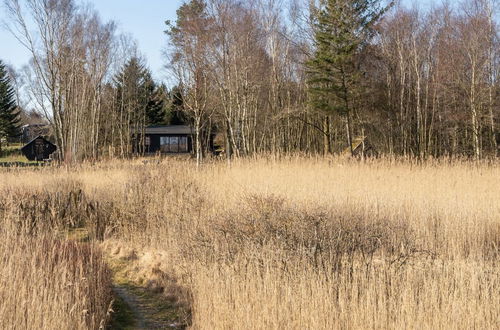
413, 82
434, 80
86, 79
275, 76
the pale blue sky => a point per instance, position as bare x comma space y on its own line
143, 19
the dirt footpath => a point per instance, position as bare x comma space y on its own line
145, 312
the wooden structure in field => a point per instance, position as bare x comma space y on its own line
38, 149
175, 139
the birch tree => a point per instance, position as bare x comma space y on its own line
189, 38
71, 50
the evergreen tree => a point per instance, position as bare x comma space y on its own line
138, 103
156, 108
342, 27
9, 112
138, 95
176, 112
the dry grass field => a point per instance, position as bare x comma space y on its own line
267, 243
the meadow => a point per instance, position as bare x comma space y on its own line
263, 243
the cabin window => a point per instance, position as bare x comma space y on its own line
147, 141
173, 144
165, 144
183, 144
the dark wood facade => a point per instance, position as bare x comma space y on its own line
38, 149
172, 139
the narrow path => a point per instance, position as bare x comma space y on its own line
136, 307
132, 304
146, 311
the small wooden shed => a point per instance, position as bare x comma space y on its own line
39, 149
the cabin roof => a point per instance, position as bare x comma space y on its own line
169, 129
27, 145
32, 150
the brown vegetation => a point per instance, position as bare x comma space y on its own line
265, 243
46, 281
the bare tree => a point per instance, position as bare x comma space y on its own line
71, 52
189, 38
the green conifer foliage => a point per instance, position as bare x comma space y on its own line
342, 27
137, 91
9, 112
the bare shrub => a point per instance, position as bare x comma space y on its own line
61, 205
329, 237
293, 242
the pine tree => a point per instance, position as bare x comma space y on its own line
140, 94
342, 27
138, 104
156, 107
177, 114
9, 113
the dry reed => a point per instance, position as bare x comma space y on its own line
46, 280
300, 242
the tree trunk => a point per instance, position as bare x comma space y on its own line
199, 156
474, 115
327, 149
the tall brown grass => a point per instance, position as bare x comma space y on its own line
298, 242
48, 281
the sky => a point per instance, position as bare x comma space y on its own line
143, 19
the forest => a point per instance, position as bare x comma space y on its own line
262, 75
271, 76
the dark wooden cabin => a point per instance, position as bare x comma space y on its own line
38, 149
171, 139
